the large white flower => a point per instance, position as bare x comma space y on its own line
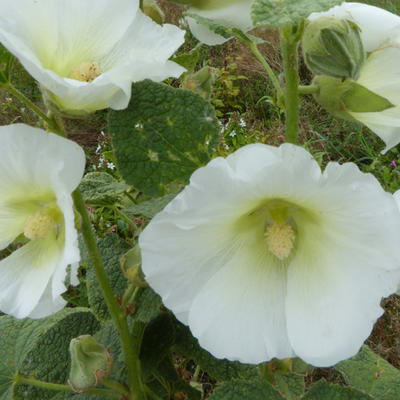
230, 13
380, 34
87, 53
38, 172
264, 256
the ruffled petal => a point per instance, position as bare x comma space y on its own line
25, 274
234, 15
377, 25
347, 259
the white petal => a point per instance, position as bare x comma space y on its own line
32, 161
51, 38
381, 74
234, 15
25, 275
346, 261
385, 124
375, 23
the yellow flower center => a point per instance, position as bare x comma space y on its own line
279, 237
39, 224
86, 72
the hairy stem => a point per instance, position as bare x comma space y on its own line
290, 37
129, 349
19, 379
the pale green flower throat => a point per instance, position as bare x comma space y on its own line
86, 71
41, 222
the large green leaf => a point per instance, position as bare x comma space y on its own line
291, 385
218, 369
323, 391
39, 349
151, 207
244, 390
101, 188
274, 13
148, 305
371, 374
111, 248
163, 136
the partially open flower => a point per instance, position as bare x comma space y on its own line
38, 172
380, 34
86, 53
264, 256
229, 13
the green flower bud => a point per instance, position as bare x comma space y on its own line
153, 10
130, 265
342, 97
91, 363
200, 82
333, 47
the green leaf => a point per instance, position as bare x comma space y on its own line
371, 374
244, 390
111, 248
151, 207
290, 385
39, 349
158, 338
163, 136
219, 369
274, 13
6, 61
148, 305
189, 60
323, 391
101, 188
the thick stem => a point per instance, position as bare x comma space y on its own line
129, 349
19, 379
289, 45
270, 72
303, 90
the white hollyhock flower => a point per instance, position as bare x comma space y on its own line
230, 13
87, 53
380, 34
38, 172
263, 255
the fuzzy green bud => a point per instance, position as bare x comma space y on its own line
91, 363
342, 96
153, 10
130, 265
200, 82
333, 47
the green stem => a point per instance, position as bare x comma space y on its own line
141, 4
19, 379
308, 89
30, 105
130, 295
125, 217
196, 373
289, 44
116, 386
129, 349
270, 72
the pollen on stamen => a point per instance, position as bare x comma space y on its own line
38, 225
86, 72
279, 238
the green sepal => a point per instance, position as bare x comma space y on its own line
131, 262
340, 97
333, 47
200, 82
153, 10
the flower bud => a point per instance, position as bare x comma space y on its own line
130, 265
200, 82
342, 97
333, 47
153, 10
91, 363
